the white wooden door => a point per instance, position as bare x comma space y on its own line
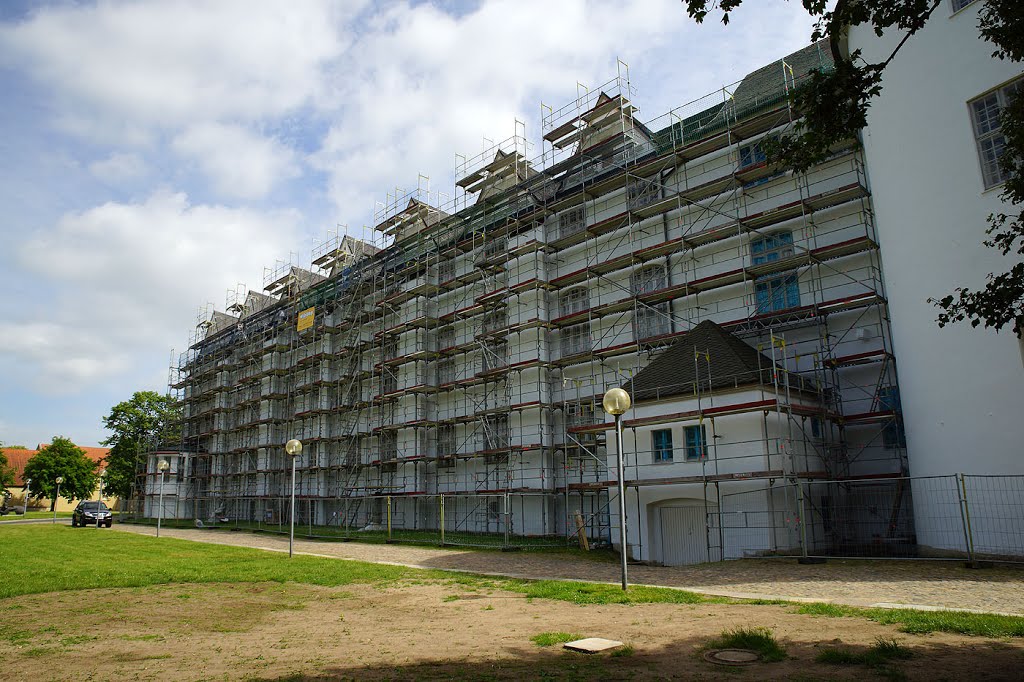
684, 535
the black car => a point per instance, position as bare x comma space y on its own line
92, 514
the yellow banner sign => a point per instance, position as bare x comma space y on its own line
306, 319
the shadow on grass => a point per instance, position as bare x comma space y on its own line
683, 659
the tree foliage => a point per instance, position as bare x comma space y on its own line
834, 103
143, 422
6, 472
61, 458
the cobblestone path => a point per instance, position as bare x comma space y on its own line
853, 582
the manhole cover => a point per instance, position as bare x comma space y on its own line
732, 656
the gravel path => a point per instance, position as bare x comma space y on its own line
856, 583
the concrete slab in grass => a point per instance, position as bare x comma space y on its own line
592, 645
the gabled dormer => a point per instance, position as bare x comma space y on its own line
294, 281
254, 302
347, 251
504, 171
416, 216
610, 116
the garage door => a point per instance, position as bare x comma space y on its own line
684, 536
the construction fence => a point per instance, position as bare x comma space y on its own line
498, 521
959, 516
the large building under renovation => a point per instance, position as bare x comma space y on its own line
449, 375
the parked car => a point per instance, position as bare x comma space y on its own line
89, 513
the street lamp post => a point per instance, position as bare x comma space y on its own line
99, 501
162, 466
294, 449
28, 484
616, 401
59, 480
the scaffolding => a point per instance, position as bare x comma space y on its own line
448, 377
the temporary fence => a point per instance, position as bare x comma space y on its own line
499, 520
960, 516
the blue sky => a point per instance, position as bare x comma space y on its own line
156, 155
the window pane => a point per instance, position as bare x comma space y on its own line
662, 445
695, 442
986, 114
987, 131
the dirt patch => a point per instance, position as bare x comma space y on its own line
433, 631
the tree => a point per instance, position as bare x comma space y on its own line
61, 458
834, 103
145, 421
6, 473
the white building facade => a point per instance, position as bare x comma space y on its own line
930, 147
164, 494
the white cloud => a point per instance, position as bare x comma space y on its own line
228, 100
129, 278
428, 84
240, 163
170, 63
119, 168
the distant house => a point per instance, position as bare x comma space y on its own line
17, 458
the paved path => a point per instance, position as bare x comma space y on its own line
856, 583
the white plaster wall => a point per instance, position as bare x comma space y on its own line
962, 389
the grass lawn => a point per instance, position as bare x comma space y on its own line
174, 609
42, 558
427, 538
36, 515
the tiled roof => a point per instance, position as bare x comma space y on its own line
765, 83
17, 458
729, 363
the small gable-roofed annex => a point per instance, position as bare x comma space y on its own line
708, 354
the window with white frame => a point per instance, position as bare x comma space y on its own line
446, 337
573, 300
774, 292
641, 192
446, 439
495, 355
495, 247
496, 432
580, 414
575, 339
988, 130
495, 319
751, 154
390, 350
446, 371
652, 320
648, 278
572, 221
388, 381
388, 446
446, 270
